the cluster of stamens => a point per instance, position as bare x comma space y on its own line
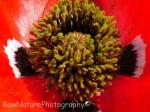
76, 47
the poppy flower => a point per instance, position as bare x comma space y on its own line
126, 94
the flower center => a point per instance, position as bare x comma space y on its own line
76, 47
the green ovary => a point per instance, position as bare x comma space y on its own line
79, 56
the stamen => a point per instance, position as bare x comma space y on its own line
77, 48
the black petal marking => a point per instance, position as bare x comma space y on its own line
133, 58
22, 62
128, 61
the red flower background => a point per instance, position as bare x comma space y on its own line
127, 94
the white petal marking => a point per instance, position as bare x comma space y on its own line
139, 48
10, 49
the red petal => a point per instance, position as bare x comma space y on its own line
16, 18
126, 94
129, 94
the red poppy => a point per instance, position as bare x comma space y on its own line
126, 94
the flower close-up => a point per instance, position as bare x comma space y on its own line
74, 56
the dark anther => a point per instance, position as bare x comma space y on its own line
74, 70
